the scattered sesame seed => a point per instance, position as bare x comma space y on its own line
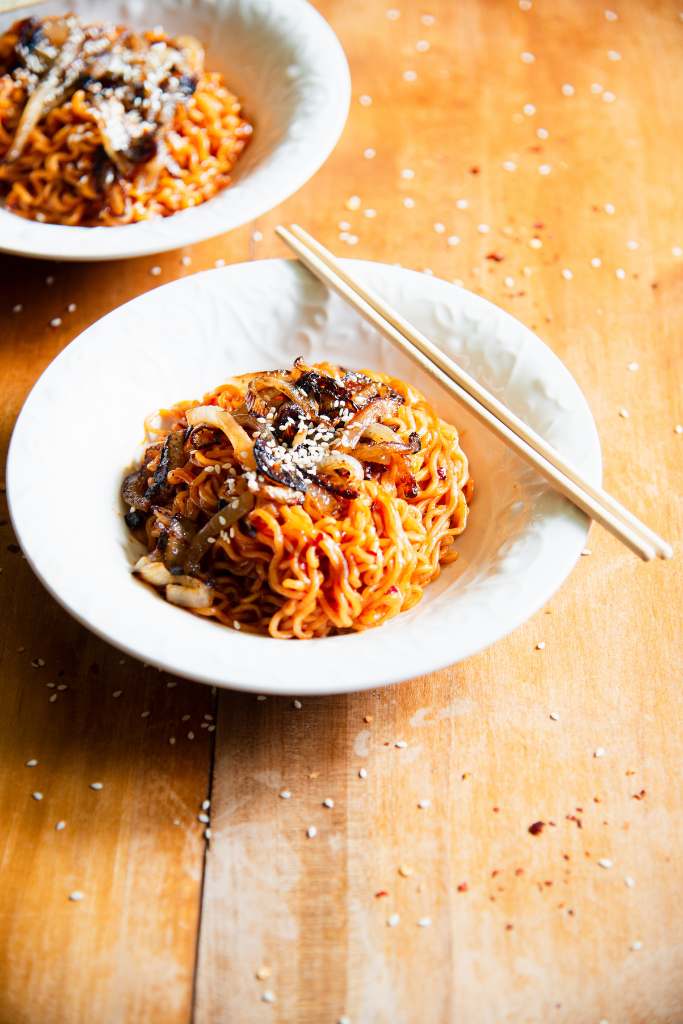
219, 263
370, 213
439, 228
145, 714
408, 202
542, 133
677, 251
599, 752
605, 862
49, 280
554, 716
453, 240
529, 109
344, 1020
190, 735
207, 833
586, 552
526, 57
632, 244
353, 203
257, 236
525, 5
393, 920
206, 804
17, 308
297, 704
53, 697
422, 46
596, 88
261, 696
267, 996
409, 76
462, 204
509, 165
535, 243
117, 693
424, 804
405, 871
567, 274
427, 19
393, 14
568, 90
545, 169
613, 55
72, 307
635, 946
401, 744
424, 922
362, 773
76, 896
37, 795
60, 826
633, 367
31, 763
624, 413
611, 15
311, 831
678, 429
509, 282
171, 740
262, 973
407, 174
629, 882
365, 100
285, 794
483, 229
204, 818
56, 321
155, 271
96, 785
328, 802
608, 97
186, 261
596, 262
540, 646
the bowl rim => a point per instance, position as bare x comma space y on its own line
20, 236
253, 682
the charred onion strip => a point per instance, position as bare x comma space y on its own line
259, 406
376, 409
275, 468
222, 520
221, 419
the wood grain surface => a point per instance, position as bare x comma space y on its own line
466, 141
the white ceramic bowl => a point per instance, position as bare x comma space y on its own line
286, 65
81, 427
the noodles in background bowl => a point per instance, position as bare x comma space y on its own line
299, 503
103, 126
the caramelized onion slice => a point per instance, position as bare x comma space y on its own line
190, 593
257, 405
281, 495
213, 416
377, 409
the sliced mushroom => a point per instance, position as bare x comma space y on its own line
222, 520
171, 458
133, 490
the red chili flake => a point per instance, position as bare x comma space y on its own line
509, 927
495, 872
382, 892
539, 225
535, 149
566, 856
376, 506
596, 800
579, 810
496, 810
640, 796
463, 887
495, 256
572, 817
547, 883
629, 771
570, 912
392, 590
519, 871
441, 472
553, 824
474, 170
537, 828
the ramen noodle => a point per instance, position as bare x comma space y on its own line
100, 125
298, 503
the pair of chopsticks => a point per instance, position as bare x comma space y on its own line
530, 446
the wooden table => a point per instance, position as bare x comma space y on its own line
475, 127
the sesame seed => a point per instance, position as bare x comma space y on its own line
190, 735
525, 5
535, 243
509, 165
678, 429
49, 280
611, 15
17, 308
262, 973
596, 262
613, 55
261, 696
599, 752
439, 228
608, 97
96, 785
31, 763
629, 882
568, 90
369, 153
393, 14
540, 646
635, 946
526, 57
409, 76
344, 1020
632, 244
405, 871
677, 251
365, 100
186, 261
424, 804
609, 208
353, 203
542, 133
393, 920
206, 804
462, 204
401, 744
586, 552
53, 697
37, 795
567, 274
596, 88
407, 174
605, 862
529, 109
545, 169
76, 896
483, 229
554, 716
207, 833
328, 802
422, 46
624, 413
453, 240
155, 271
56, 321
297, 704
370, 213
633, 367
267, 996
362, 773
285, 794
424, 922
171, 740
509, 282
60, 826
72, 307
117, 693
311, 831
257, 236
145, 714
427, 19
204, 818
408, 203
219, 263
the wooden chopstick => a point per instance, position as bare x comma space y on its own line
6, 6
489, 401
324, 265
